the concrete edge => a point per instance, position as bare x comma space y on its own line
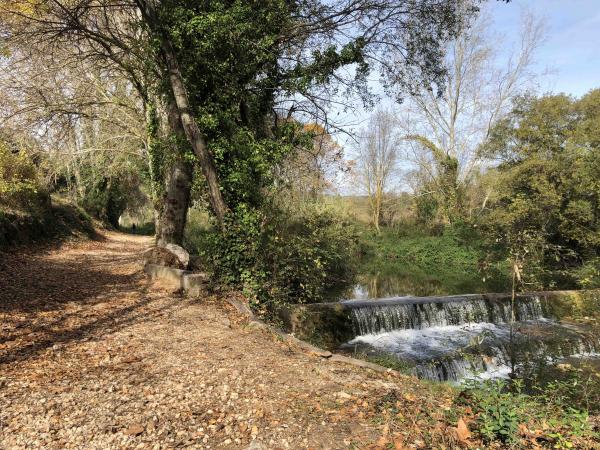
189, 282
306, 347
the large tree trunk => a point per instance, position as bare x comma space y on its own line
180, 95
193, 133
172, 214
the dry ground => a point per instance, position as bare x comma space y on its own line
93, 357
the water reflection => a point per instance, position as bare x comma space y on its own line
371, 286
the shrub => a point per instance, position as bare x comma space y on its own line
588, 275
497, 411
279, 256
502, 409
106, 200
18, 178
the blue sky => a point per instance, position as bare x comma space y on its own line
569, 57
572, 48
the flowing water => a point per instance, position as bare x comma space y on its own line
461, 337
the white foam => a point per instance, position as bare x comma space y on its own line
432, 341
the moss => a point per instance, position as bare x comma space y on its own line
573, 305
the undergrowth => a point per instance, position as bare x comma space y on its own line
504, 413
415, 262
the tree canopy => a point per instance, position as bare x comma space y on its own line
546, 207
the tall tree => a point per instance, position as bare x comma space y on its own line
546, 211
377, 156
445, 125
228, 66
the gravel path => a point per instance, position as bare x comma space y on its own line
93, 357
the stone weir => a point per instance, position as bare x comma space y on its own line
333, 324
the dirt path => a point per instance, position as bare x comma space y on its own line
92, 357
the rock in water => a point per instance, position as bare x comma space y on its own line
164, 257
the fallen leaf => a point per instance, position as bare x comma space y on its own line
134, 430
462, 431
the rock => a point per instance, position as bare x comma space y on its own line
195, 283
180, 252
343, 395
256, 446
168, 255
161, 256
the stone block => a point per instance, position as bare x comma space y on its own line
194, 283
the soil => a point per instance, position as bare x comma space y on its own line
93, 356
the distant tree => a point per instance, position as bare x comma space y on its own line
311, 168
377, 155
444, 125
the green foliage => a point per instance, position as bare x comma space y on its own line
51, 220
501, 408
386, 360
19, 184
546, 214
105, 185
498, 411
441, 199
571, 387
280, 256
588, 274
412, 261
106, 200
426, 208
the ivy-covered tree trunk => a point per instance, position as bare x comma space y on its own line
174, 206
171, 175
193, 133
178, 177
187, 120
449, 190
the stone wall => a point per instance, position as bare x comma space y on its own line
329, 325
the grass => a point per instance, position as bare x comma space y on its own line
408, 261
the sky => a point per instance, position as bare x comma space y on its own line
571, 50
568, 60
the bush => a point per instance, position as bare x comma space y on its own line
19, 186
497, 411
279, 256
106, 200
588, 275
503, 410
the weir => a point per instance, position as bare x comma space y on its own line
456, 337
418, 313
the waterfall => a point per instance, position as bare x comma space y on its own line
374, 318
460, 337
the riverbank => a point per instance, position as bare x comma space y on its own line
409, 261
94, 356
